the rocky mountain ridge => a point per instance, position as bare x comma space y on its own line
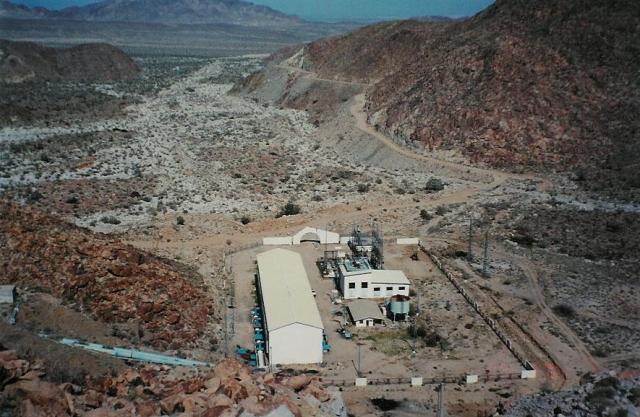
160, 11
523, 84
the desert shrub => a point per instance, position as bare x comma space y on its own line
564, 310
441, 210
289, 209
110, 220
608, 382
634, 396
621, 412
34, 196
384, 404
434, 185
601, 398
424, 215
180, 220
72, 200
420, 331
433, 339
316, 197
245, 219
363, 188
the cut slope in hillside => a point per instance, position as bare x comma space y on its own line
24, 61
160, 11
524, 83
111, 281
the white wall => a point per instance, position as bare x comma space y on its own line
407, 241
295, 344
324, 236
280, 240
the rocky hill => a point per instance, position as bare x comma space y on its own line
523, 83
111, 281
24, 61
161, 11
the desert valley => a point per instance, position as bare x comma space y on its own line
166, 211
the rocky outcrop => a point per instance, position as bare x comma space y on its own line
24, 61
603, 394
522, 84
229, 390
113, 282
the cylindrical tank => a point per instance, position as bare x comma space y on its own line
399, 304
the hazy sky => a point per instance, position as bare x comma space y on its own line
340, 9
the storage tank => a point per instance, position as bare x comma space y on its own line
398, 307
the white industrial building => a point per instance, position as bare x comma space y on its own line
294, 330
357, 279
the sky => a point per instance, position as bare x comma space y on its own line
340, 9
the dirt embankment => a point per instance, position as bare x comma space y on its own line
113, 282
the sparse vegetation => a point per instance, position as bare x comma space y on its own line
289, 209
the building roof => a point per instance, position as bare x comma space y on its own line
286, 292
357, 266
7, 292
364, 309
386, 276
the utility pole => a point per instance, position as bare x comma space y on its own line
233, 316
415, 323
485, 261
226, 328
469, 251
440, 400
359, 357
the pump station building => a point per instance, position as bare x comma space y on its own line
293, 327
357, 279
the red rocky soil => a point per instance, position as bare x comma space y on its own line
113, 282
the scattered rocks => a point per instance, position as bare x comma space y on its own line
114, 282
229, 390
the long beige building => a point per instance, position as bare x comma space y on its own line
294, 330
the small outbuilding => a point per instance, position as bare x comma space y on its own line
365, 313
7, 294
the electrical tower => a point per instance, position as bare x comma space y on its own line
469, 251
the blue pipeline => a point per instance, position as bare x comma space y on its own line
134, 355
